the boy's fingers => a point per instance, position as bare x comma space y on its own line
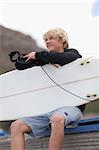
25, 56
27, 59
56, 65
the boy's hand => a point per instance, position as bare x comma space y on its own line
56, 65
30, 56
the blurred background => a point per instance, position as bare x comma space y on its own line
23, 22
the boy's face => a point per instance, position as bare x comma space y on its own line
54, 43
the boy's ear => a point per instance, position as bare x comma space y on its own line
60, 40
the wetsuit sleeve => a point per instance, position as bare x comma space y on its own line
56, 57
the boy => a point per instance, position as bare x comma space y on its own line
58, 53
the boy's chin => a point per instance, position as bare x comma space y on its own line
51, 49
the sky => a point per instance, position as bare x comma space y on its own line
79, 18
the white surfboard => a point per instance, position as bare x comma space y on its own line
38, 90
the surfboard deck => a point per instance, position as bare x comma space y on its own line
38, 90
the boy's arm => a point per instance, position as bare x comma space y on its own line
56, 57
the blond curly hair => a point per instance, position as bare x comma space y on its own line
57, 32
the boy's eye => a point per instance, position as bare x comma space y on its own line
50, 38
45, 40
